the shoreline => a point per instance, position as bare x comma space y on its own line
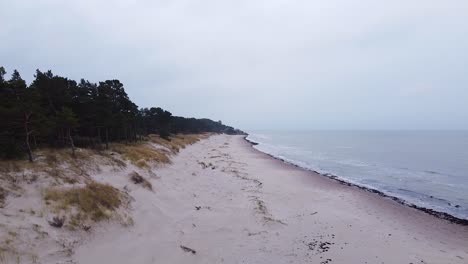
435, 213
222, 201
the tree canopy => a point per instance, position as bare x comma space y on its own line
55, 111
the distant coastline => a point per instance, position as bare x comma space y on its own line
438, 214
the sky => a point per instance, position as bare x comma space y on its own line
258, 64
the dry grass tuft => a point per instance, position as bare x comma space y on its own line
60, 161
60, 165
9, 166
138, 179
176, 142
8, 249
49, 162
140, 154
109, 158
53, 156
2, 197
95, 200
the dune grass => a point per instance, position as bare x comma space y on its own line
2, 197
177, 142
95, 201
141, 153
50, 162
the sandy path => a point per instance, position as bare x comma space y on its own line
232, 204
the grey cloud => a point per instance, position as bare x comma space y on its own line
259, 64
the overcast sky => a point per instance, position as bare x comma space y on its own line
258, 64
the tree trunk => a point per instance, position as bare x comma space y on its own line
34, 140
107, 138
26, 130
61, 137
72, 145
99, 135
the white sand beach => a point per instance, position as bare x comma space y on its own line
221, 201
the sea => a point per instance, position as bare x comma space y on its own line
426, 168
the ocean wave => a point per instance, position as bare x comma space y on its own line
410, 197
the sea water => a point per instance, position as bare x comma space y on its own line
425, 168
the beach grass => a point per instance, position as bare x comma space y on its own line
177, 142
140, 154
95, 200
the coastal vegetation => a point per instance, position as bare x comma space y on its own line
72, 154
65, 193
94, 200
57, 112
